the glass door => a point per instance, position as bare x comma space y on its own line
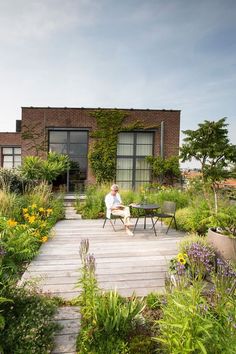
73, 143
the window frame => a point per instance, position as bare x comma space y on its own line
135, 157
13, 154
68, 144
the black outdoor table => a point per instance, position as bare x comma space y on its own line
149, 212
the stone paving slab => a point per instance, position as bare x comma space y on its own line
65, 340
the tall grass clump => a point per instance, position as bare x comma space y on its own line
190, 324
93, 206
107, 318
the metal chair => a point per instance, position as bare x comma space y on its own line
113, 217
167, 211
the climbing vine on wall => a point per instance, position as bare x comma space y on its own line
102, 155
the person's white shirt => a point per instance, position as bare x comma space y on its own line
111, 201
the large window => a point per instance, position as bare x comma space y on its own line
75, 145
11, 157
132, 169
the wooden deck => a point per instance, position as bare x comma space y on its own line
127, 263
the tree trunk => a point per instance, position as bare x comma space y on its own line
215, 198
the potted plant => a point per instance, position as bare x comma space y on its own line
223, 235
210, 145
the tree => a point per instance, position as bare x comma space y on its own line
210, 145
36, 168
167, 169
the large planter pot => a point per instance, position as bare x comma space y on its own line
224, 245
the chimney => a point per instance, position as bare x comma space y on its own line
18, 126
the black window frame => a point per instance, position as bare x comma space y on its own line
13, 147
68, 144
135, 157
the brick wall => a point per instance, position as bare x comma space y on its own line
9, 139
39, 120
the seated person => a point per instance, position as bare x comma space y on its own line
115, 207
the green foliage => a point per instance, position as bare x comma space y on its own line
153, 300
224, 220
9, 206
102, 155
189, 325
25, 318
193, 219
28, 322
193, 238
36, 168
141, 344
93, 206
210, 145
11, 181
107, 318
114, 315
166, 169
20, 246
27, 225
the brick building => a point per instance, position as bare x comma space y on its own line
66, 130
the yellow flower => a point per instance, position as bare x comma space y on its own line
34, 206
43, 224
26, 216
49, 210
41, 210
32, 219
44, 239
11, 223
25, 210
182, 260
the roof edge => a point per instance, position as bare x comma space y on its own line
106, 108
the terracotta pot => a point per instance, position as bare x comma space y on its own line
224, 245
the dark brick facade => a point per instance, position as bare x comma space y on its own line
40, 120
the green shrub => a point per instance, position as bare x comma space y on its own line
193, 218
28, 322
153, 300
141, 344
93, 206
189, 325
12, 181
188, 240
36, 168
9, 204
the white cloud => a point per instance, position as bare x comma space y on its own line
22, 20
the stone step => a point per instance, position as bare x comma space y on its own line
65, 340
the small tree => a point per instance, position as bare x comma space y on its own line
210, 145
36, 168
167, 169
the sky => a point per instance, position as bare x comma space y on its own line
160, 54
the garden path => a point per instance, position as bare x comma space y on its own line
126, 263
